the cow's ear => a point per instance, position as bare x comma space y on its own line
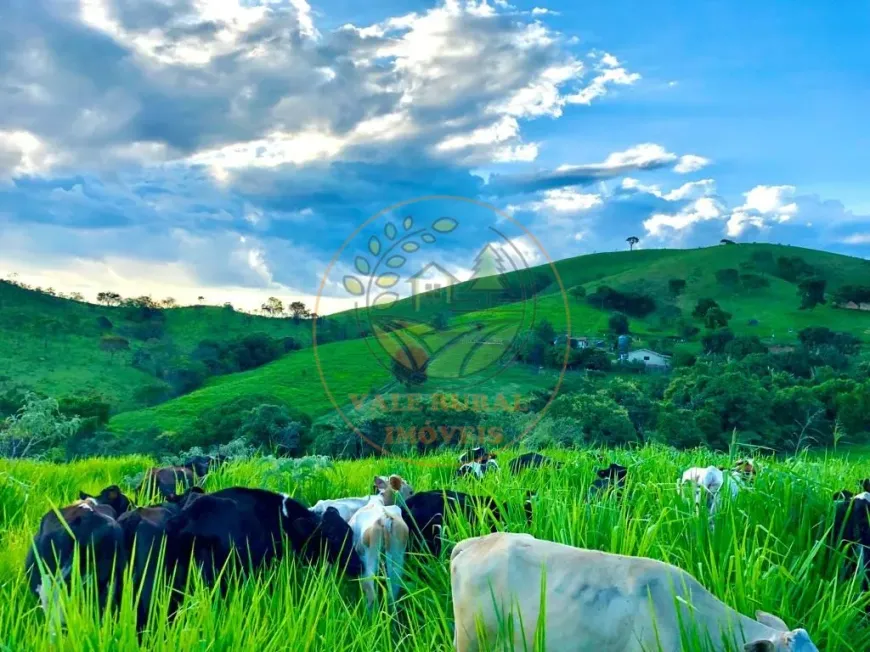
771, 621
759, 646
380, 483
396, 482
84, 496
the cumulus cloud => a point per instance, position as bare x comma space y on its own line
763, 205
691, 163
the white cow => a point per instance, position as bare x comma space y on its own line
376, 527
389, 488
709, 482
595, 602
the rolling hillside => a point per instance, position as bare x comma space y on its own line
771, 312
53, 344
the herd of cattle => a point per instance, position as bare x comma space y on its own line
594, 600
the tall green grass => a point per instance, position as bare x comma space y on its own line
766, 552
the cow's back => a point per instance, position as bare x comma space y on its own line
594, 601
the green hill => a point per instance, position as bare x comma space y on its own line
54, 345
770, 311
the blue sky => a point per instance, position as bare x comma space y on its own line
227, 149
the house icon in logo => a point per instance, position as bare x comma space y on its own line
432, 277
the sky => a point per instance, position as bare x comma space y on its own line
233, 149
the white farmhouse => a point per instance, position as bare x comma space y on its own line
649, 357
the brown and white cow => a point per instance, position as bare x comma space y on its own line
594, 601
392, 489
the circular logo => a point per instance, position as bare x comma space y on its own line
460, 318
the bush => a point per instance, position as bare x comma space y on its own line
578, 292
220, 424
727, 277
38, 426
276, 429
631, 303
618, 324
716, 341
600, 420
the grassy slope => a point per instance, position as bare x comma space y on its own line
763, 554
295, 380
68, 358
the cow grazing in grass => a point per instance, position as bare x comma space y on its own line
852, 529
395, 488
532, 460
476, 462
169, 481
424, 514
378, 527
153, 554
593, 601
709, 484
248, 525
610, 479
88, 527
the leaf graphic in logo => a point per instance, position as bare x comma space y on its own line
390, 231
352, 284
408, 223
428, 237
374, 245
387, 280
362, 265
445, 225
410, 247
385, 300
395, 261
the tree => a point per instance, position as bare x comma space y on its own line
717, 340
676, 286
578, 292
702, 307
726, 241
109, 298
77, 296
545, 331
487, 270
37, 426
812, 292
632, 240
114, 344
169, 302
618, 324
716, 318
273, 306
763, 261
200, 299
276, 428
753, 281
409, 365
298, 311
728, 277
793, 268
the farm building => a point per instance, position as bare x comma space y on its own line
649, 357
576, 342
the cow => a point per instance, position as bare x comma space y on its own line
424, 514
852, 529
153, 554
845, 494
610, 479
478, 469
744, 469
166, 481
594, 601
531, 460
201, 465
379, 527
398, 489
87, 526
248, 525
709, 481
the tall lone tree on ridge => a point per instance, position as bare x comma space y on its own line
632, 240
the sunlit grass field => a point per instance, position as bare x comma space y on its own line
765, 553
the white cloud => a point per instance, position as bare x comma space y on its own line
691, 163
543, 11
700, 210
610, 73
763, 205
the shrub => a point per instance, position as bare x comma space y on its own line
276, 428
598, 417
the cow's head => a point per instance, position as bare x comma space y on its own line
782, 639
390, 487
844, 494
614, 473
329, 536
110, 496
185, 499
199, 464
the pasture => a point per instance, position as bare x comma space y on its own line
767, 551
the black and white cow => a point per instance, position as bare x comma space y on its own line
423, 513
610, 479
477, 462
852, 529
248, 525
88, 526
532, 460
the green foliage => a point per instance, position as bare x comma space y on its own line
578, 292
599, 419
633, 304
728, 277
716, 341
744, 345
618, 324
676, 286
38, 426
812, 292
753, 281
409, 365
441, 321
276, 429
703, 307
793, 268
716, 318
